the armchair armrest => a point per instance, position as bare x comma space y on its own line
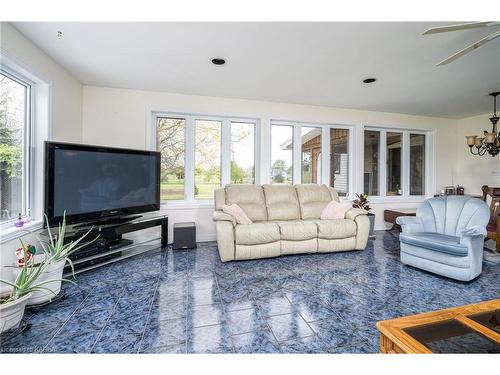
354, 212
474, 231
222, 216
410, 224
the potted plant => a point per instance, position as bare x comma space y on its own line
27, 282
56, 254
363, 203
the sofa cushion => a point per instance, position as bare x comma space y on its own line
298, 230
313, 198
281, 202
336, 229
256, 233
335, 210
435, 241
250, 198
237, 212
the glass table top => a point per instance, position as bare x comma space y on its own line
490, 319
450, 336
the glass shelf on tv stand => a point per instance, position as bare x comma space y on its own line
148, 233
134, 249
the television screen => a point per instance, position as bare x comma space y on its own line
89, 182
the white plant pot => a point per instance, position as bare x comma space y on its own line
12, 313
54, 271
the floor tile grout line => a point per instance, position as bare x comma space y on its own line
64, 324
107, 319
149, 314
223, 310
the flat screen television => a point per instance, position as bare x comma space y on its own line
96, 183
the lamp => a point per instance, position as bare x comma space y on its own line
491, 141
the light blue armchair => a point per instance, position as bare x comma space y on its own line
446, 237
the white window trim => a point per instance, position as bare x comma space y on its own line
39, 130
325, 151
430, 164
189, 200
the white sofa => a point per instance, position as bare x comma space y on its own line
286, 220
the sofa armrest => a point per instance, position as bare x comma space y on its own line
410, 224
222, 216
354, 212
474, 231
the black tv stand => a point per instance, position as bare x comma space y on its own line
113, 220
109, 245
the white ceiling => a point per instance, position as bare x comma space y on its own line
306, 63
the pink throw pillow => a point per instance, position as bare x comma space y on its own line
335, 210
237, 212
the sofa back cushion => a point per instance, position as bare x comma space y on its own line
313, 198
281, 202
451, 214
250, 198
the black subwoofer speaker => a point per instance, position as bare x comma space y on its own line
184, 236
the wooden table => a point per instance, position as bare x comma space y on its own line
464, 329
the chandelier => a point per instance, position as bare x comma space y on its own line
491, 141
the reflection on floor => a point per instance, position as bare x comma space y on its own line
190, 302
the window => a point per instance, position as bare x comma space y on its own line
281, 154
14, 147
201, 153
371, 162
311, 155
171, 143
393, 157
400, 170
339, 160
242, 153
417, 164
207, 176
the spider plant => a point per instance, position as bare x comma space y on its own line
26, 280
56, 249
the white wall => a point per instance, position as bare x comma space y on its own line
473, 171
66, 90
119, 117
65, 112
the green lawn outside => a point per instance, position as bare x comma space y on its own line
175, 190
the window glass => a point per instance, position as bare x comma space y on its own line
242, 153
171, 144
207, 175
371, 162
394, 156
339, 160
281, 154
13, 118
417, 164
311, 155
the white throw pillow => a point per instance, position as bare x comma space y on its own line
335, 210
237, 212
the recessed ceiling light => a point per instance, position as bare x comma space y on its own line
59, 34
218, 61
369, 80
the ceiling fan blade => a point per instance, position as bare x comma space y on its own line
459, 26
470, 48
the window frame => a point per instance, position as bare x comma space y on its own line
325, 151
429, 176
190, 151
27, 149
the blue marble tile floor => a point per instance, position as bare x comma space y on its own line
189, 302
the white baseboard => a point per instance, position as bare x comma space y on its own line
206, 237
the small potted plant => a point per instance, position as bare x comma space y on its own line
363, 203
13, 303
